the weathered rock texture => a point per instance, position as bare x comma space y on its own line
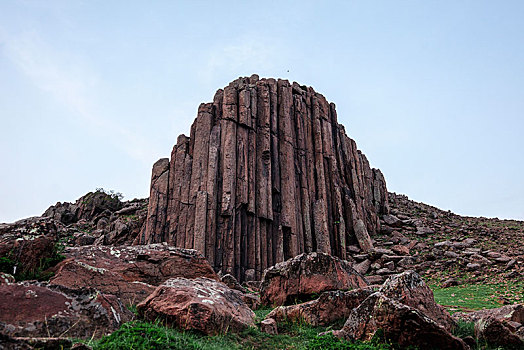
267, 174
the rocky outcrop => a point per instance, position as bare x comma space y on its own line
267, 174
307, 274
37, 310
129, 272
200, 304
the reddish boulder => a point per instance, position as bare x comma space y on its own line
496, 332
37, 310
514, 313
78, 275
200, 304
408, 288
401, 324
129, 272
307, 274
330, 307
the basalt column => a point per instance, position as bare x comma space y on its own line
267, 173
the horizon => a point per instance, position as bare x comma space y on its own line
95, 94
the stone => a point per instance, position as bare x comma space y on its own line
496, 332
400, 249
327, 309
409, 289
363, 267
307, 274
400, 323
231, 282
392, 220
269, 326
129, 272
39, 310
6, 278
200, 304
363, 239
472, 266
266, 174
513, 313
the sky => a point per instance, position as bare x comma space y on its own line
93, 92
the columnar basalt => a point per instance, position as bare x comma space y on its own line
267, 174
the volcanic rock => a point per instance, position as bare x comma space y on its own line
496, 332
267, 174
409, 289
37, 310
200, 304
307, 274
330, 307
399, 323
129, 272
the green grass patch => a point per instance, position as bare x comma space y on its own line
469, 297
139, 335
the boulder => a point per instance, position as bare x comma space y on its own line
269, 326
514, 313
38, 310
408, 288
129, 272
307, 274
496, 332
399, 323
200, 304
329, 308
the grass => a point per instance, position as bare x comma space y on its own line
145, 335
469, 297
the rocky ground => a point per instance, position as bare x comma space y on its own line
75, 273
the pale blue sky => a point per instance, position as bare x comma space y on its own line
92, 93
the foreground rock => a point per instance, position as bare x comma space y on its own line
307, 274
497, 333
129, 272
200, 304
408, 288
399, 323
329, 308
37, 310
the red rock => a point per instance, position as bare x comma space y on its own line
496, 332
36, 310
400, 249
200, 304
129, 272
513, 313
361, 233
399, 323
307, 274
268, 173
409, 289
329, 308
269, 326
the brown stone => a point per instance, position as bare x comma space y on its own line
200, 304
400, 323
409, 289
307, 274
329, 308
129, 272
37, 310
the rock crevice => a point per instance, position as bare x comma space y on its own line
267, 174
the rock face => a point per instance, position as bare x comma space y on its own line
307, 274
267, 174
201, 304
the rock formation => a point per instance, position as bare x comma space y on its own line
267, 174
